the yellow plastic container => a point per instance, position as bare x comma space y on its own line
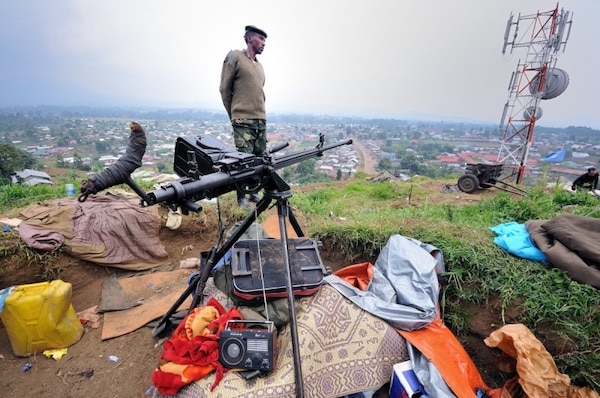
40, 316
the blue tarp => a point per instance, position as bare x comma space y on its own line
514, 238
557, 156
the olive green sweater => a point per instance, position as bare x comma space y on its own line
241, 88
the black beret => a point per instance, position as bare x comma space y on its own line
254, 29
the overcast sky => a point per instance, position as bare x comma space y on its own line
394, 58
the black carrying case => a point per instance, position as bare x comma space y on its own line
307, 270
207, 152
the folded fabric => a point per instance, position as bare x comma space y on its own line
192, 352
40, 238
514, 238
580, 234
555, 239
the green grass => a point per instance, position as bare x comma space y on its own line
360, 217
14, 196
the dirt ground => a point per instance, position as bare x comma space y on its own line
86, 369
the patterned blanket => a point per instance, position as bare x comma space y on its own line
343, 350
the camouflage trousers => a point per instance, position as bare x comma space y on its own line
250, 135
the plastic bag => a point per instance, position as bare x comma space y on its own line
538, 375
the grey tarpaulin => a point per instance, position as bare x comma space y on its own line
404, 292
404, 289
428, 374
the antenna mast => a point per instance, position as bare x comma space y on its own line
536, 78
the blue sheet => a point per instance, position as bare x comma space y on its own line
514, 238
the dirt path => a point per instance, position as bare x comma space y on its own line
368, 163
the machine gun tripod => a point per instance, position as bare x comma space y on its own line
279, 192
209, 169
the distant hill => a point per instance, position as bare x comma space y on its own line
108, 109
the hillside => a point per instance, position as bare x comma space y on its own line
86, 368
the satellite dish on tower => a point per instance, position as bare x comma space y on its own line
534, 111
557, 81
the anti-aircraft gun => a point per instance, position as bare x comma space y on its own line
208, 169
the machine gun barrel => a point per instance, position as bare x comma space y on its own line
288, 160
187, 190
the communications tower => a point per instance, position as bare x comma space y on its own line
536, 78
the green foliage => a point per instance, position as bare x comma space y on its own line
13, 159
385, 164
306, 167
539, 205
15, 195
359, 217
161, 167
47, 264
409, 162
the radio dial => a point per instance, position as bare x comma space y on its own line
256, 360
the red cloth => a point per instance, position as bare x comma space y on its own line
192, 352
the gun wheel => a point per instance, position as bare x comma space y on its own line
468, 183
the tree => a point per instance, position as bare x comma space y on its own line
416, 135
11, 160
60, 160
409, 162
287, 174
384, 164
63, 140
79, 164
102, 147
30, 132
306, 167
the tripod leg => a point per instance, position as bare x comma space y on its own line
283, 211
196, 286
295, 224
165, 326
217, 253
